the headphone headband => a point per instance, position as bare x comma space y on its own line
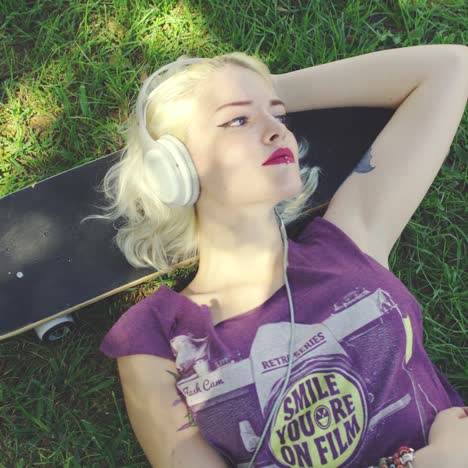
149, 85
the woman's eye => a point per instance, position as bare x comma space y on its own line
283, 120
235, 120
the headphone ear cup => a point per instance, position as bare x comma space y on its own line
171, 172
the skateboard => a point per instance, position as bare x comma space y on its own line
52, 265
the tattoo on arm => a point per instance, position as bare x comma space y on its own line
364, 165
191, 421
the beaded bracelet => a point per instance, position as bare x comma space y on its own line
400, 459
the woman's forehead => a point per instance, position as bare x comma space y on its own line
234, 84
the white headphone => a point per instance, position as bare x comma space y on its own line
174, 179
167, 161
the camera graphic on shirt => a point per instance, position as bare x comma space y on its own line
334, 400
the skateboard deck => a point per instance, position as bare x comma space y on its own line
52, 265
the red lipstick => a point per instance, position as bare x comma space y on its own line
280, 156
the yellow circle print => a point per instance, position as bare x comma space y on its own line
320, 421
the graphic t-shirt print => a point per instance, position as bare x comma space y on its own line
350, 380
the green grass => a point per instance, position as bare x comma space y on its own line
69, 70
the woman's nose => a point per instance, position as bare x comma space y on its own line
274, 130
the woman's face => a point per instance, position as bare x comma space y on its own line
229, 143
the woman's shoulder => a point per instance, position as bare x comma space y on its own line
142, 329
341, 237
356, 234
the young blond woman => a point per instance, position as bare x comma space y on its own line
204, 370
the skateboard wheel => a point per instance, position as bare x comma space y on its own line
55, 329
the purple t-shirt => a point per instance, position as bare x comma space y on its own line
361, 383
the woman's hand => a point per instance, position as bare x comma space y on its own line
448, 437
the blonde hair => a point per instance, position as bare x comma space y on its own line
154, 234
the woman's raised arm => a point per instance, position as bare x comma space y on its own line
378, 79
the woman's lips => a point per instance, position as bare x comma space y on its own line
280, 156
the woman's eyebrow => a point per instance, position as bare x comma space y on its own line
273, 102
